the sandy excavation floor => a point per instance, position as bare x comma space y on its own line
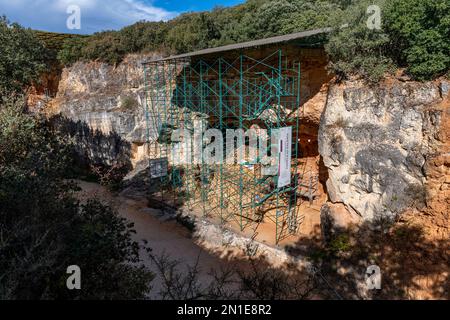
265, 231
175, 240
162, 236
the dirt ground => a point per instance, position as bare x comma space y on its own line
163, 236
308, 213
414, 256
168, 236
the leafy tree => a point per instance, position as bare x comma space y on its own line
105, 46
99, 241
268, 20
355, 49
230, 22
144, 36
44, 228
311, 15
71, 50
22, 56
192, 31
420, 35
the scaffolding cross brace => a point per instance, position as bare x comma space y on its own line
236, 91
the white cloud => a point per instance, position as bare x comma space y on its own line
96, 15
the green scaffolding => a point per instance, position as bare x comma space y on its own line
224, 93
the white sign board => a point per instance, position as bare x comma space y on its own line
158, 167
284, 159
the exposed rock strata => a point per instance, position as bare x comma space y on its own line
379, 145
109, 99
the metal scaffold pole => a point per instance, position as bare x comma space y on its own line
223, 93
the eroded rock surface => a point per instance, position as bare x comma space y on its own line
108, 99
375, 142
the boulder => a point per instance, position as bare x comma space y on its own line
375, 140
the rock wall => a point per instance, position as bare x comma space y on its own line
379, 144
108, 99
382, 148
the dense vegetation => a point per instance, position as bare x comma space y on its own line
22, 57
420, 35
191, 31
44, 228
55, 41
414, 34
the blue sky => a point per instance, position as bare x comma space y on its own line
193, 5
98, 15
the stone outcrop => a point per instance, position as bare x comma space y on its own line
109, 99
377, 150
377, 143
382, 148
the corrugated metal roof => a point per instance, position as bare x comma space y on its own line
249, 44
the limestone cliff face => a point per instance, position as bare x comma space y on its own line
108, 99
384, 148
380, 145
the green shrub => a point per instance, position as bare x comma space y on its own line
44, 228
356, 49
191, 32
420, 36
72, 50
54, 40
144, 36
340, 243
129, 103
22, 57
105, 47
